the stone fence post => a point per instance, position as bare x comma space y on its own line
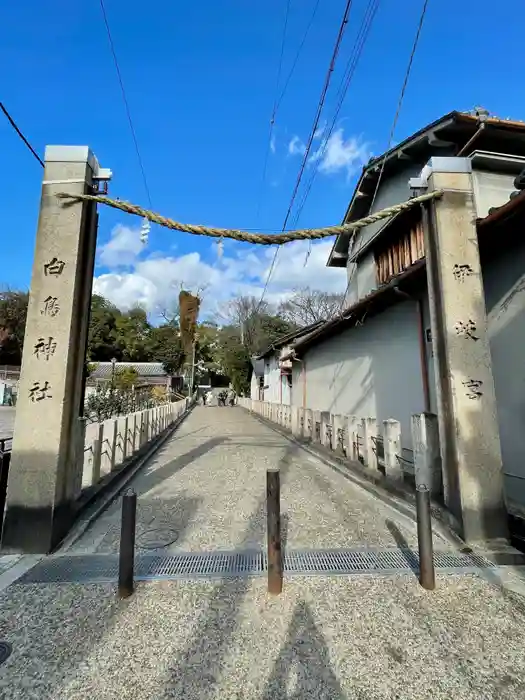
392, 446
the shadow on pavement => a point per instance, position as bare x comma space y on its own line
198, 671
303, 670
408, 555
161, 523
148, 480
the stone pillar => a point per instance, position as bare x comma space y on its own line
392, 448
468, 424
308, 430
80, 455
295, 425
43, 476
369, 426
97, 455
351, 447
325, 429
134, 440
114, 442
125, 439
427, 457
316, 427
337, 430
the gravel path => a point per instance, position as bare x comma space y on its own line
327, 639
205, 489
338, 638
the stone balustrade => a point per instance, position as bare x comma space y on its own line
357, 439
105, 446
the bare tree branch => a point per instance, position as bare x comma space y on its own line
307, 306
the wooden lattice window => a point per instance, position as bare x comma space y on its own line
399, 256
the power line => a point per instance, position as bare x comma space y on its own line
350, 69
297, 55
20, 134
394, 124
314, 128
126, 104
274, 110
401, 95
280, 97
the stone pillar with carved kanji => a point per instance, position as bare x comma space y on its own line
468, 425
43, 476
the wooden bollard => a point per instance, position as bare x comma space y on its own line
273, 514
126, 578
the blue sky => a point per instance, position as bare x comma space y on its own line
201, 81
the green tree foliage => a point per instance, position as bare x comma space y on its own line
102, 333
125, 379
222, 354
165, 347
13, 312
234, 359
132, 336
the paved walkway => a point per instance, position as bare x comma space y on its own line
206, 490
326, 638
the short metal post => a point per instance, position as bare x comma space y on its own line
427, 576
273, 514
127, 545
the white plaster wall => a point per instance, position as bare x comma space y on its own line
491, 190
430, 356
254, 387
504, 283
296, 398
362, 279
272, 379
372, 370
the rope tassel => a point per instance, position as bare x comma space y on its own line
257, 238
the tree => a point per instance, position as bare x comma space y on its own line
132, 336
165, 347
13, 314
234, 358
125, 379
102, 331
307, 306
257, 323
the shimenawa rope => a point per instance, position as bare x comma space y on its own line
257, 238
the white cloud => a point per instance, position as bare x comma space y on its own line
272, 144
155, 282
318, 134
296, 147
122, 248
337, 153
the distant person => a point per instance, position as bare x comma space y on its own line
231, 397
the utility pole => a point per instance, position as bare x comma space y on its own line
192, 380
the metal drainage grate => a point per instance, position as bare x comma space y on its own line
101, 568
5, 651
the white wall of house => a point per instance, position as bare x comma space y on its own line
254, 387
272, 379
504, 282
372, 370
427, 332
278, 388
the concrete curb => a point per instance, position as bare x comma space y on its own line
394, 497
103, 499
